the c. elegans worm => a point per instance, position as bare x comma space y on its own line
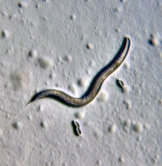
95, 84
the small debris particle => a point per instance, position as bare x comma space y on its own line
139, 138
99, 162
127, 123
117, 30
156, 159
82, 83
73, 17
67, 59
44, 124
44, 63
122, 86
146, 126
30, 117
98, 134
92, 64
126, 65
88, 71
137, 127
80, 114
23, 4
117, 9
72, 88
153, 40
160, 101
113, 128
8, 116
103, 96
123, 0
64, 164
121, 159
5, 34
120, 83
33, 53
18, 125
76, 128
40, 108
89, 46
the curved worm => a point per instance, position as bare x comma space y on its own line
94, 86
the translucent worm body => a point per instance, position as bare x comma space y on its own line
95, 84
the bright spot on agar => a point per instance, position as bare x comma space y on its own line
126, 89
44, 63
103, 96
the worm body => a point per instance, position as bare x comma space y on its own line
95, 84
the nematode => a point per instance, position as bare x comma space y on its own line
95, 84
